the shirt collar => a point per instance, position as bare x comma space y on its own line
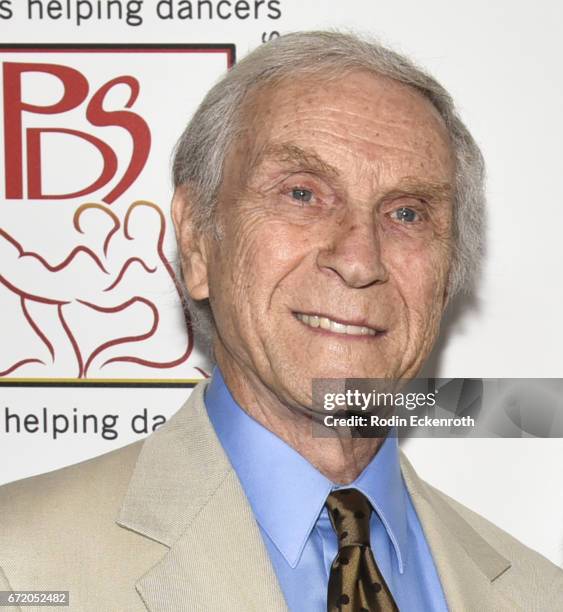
382, 483
286, 492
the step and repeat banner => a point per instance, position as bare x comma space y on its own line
89, 290
95, 348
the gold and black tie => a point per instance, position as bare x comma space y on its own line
355, 583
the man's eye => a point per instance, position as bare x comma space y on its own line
405, 215
302, 195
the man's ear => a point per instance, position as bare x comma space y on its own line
446, 298
191, 244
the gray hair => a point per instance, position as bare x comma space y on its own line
201, 150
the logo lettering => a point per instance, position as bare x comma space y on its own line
75, 93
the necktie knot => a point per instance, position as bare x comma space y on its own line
350, 512
355, 582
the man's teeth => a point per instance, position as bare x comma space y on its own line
333, 326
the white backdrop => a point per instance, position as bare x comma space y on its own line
501, 62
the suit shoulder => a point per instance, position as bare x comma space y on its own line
86, 487
60, 530
525, 561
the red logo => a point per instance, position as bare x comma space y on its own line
76, 94
86, 286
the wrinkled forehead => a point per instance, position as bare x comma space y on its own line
378, 116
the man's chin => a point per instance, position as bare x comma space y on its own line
301, 389
342, 372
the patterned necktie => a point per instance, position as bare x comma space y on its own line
355, 583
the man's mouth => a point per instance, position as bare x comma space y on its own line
337, 327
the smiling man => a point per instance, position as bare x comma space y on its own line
328, 205
336, 205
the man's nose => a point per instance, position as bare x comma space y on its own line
354, 251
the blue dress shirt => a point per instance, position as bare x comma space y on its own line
287, 495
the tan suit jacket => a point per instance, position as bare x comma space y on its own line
164, 525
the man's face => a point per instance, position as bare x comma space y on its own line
335, 213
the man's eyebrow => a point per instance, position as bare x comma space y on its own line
308, 161
289, 153
424, 189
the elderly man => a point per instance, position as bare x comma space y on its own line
327, 206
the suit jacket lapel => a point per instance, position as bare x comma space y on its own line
467, 564
185, 494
